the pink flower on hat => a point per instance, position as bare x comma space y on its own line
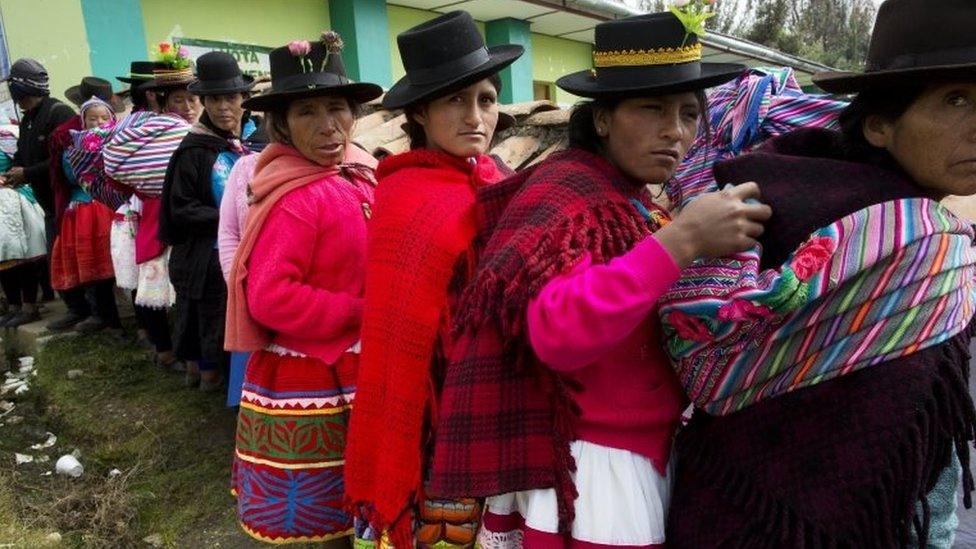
688, 327
184, 52
298, 48
743, 310
812, 256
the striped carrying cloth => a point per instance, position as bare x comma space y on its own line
84, 157
881, 283
138, 153
761, 104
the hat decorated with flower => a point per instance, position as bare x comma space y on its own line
306, 68
654, 54
174, 68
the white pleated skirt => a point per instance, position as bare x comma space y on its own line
623, 500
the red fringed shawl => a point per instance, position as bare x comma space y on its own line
506, 421
423, 222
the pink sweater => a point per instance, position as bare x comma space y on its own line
306, 272
233, 210
597, 325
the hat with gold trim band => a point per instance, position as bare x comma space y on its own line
646, 55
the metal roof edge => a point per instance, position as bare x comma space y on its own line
608, 9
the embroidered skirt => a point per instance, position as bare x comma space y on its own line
622, 501
82, 253
291, 439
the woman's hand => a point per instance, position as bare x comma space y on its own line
15, 177
715, 225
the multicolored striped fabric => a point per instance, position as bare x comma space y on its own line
882, 283
138, 153
761, 104
84, 157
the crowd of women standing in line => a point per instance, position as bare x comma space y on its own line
436, 351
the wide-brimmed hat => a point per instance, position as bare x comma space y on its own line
914, 41
310, 69
445, 54
89, 87
647, 55
140, 71
219, 73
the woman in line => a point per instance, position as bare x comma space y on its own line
558, 403
81, 266
295, 299
136, 157
23, 244
841, 419
423, 222
194, 185
81, 259
230, 230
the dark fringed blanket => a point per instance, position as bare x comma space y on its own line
844, 463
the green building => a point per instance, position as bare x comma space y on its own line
74, 38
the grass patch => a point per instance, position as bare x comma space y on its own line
173, 446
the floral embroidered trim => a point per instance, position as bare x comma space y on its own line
640, 58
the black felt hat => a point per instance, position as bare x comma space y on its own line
914, 41
647, 55
444, 54
89, 87
310, 69
219, 73
140, 71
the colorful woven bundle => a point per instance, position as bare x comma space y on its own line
85, 158
761, 104
884, 282
139, 152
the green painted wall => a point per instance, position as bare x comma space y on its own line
362, 24
270, 23
112, 51
400, 19
53, 32
554, 57
517, 78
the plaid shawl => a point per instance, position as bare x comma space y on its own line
139, 151
423, 221
506, 421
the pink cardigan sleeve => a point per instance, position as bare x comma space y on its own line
579, 317
277, 296
229, 226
